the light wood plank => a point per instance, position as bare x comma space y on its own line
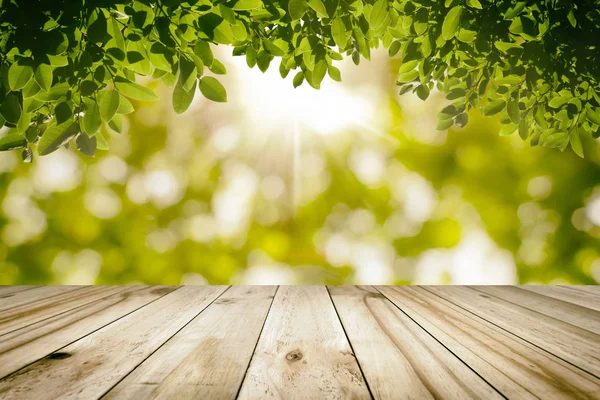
573, 314
20, 316
568, 294
572, 344
398, 358
23, 298
209, 357
5, 291
513, 366
303, 352
592, 289
92, 365
26, 345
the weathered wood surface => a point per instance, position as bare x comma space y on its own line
299, 342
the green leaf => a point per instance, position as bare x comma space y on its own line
109, 104
116, 124
378, 14
202, 50
10, 108
319, 7
338, 31
592, 116
187, 74
508, 129
451, 22
212, 89
334, 73
571, 18
57, 136
298, 79
92, 119
86, 144
134, 90
444, 124
423, 92
12, 141
558, 102
513, 111
182, 98
474, 4
576, 145
19, 75
523, 129
247, 4
101, 143
408, 76
43, 76
494, 107
125, 106
297, 9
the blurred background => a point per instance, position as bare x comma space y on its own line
351, 184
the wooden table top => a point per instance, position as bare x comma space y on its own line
304, 342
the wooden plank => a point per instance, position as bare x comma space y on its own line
398, 358
209, 357
592, 289
513, 366
5, 291
17, 317
568, 294
303, 352
572, 344
567, 312
24, 346
26, 297
89, 367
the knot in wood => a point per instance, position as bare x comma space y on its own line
294, 355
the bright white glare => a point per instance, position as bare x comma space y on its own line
476, 260
102, 203
368, 165
226, 139
272, 103
539, 187
58, 172
374, 263
272, 187
113, 169
201, 228
232, 202
77, 269
162, 187
592, 210
8, 161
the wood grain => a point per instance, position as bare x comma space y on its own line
27, 297
567, 294
26, 345
573, 314
89, 367
6, 290
20, 316
415, 365
209, 357
299, 342
513, 366
572, 344
303, 352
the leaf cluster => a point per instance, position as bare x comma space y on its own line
68, 67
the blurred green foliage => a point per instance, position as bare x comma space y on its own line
172, 202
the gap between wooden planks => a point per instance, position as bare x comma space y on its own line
299, 342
